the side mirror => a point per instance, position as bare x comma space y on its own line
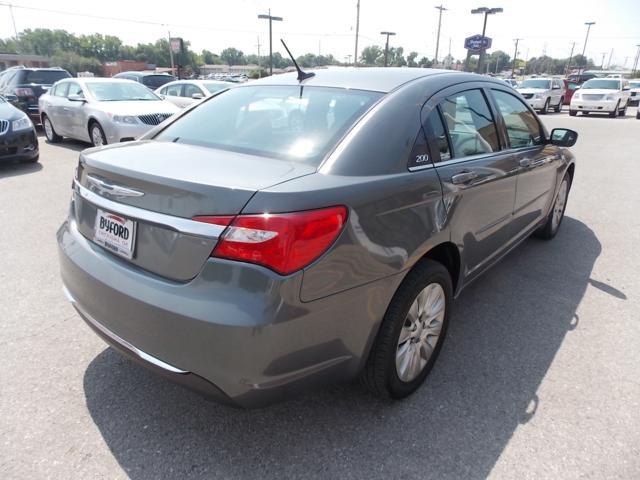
161, 95
11, 98
76, 98
197, 96
563, 137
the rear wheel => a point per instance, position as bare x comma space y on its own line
97, 135
554, 219
49, 132
623, 112
573, 113
545, 108
638, 114
558, 108
411, 333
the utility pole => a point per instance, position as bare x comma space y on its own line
566, 70
355, 53
515, 54
271, 19
610, 57
173, 71
635, 62
259, 66
386, 48
487, 12
604, 54
441, 8
584, 48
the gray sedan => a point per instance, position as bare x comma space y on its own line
101, 110
296, 231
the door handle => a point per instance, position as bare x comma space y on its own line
525, 162
463, 177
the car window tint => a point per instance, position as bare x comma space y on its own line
470, 124
75, 89
190, 89
523, 129
173, 90
435, 127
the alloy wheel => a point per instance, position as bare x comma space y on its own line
420, 332
48, 129
558, 207
96, 136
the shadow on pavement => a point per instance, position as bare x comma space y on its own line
12, 169
504, 335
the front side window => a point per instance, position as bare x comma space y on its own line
523, 129
470, 124
190, 89
173, 90
295, 123
75, 89
61, 90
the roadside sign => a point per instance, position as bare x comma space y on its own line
176, 45
477, 43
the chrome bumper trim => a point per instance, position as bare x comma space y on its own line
120, 341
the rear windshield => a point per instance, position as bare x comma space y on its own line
44, 77
535, 84
292, 122
155, 81
605, 84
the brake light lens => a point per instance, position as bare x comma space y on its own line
24, 92
283, 242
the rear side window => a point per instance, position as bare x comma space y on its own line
190, 89
173, 90
61, 90
470, 124
435, 127
44, 77
523, 130
297, 123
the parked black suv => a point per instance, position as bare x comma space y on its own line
22, 86
149, 80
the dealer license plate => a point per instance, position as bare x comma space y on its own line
115, 233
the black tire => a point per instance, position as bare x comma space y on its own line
95, 126
614, 114
49, 131
558, 108
638, 114
623, 112
573, 113
380, 375
545, 108
549, 230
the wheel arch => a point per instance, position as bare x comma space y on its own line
448, 254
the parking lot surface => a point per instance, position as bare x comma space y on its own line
539, 376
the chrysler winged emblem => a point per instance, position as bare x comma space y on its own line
112, 189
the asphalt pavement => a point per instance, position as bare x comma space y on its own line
539, 376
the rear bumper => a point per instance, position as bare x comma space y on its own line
21, 145
238, 333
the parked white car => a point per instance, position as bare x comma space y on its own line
601, 95
543, 93
187, 92
634, 91
101, 110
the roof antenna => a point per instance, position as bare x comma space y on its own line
302, 75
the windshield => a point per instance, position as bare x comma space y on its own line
156, 81
120, 91
44, 77
599, 83
292, 122
214, 87
535, 84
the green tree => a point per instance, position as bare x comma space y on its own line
232, 56
411, 59
371, 54
74, 63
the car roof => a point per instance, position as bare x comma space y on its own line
374, 79
96, 80
141, 74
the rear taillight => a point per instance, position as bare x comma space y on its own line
284, 242
24, 92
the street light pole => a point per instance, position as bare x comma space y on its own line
355, 53
271, 19
487, 12
566, 70
386, 47
584, 48
441, 8
515, 54
635, 62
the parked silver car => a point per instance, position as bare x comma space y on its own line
543, 93
187, 92
101, 110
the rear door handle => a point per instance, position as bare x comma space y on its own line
463, 177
